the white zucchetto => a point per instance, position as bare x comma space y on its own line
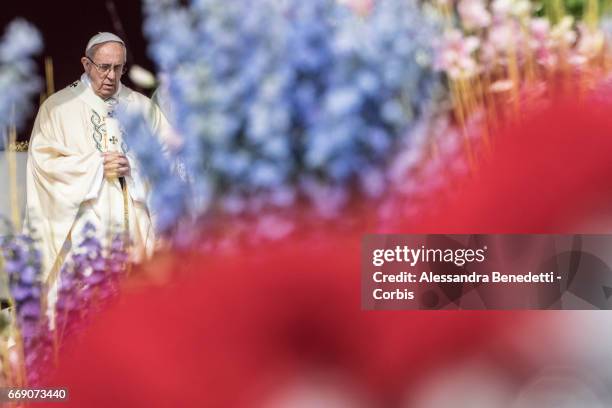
101, 38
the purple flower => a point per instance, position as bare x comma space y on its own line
23, 266
29, 328
66, 303
22, 292
30, 309
88, 279
29, 274
95, 278
12, 266
98, 264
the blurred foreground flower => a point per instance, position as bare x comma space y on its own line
42, 319
88, 281
501, 58
169, 198
474, 14
456, 55
283, 322
32, 337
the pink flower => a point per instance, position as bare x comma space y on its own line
455, 55
541, 42
474, 14
540, 29
503, 39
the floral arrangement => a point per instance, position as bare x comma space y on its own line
169, 187
279, 105
35, 323
30, 330
23, 332
288, 103
88, 280
502, 53
499, 58
508, 40
35, 329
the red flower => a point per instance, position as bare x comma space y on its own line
237, 330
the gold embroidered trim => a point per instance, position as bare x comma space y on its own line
18, 147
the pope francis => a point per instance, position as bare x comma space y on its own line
79, 169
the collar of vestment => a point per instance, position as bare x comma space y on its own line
103, 107
107, 133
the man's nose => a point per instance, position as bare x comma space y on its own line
111, 74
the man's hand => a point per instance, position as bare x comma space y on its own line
116, 165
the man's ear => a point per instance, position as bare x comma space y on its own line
85, 63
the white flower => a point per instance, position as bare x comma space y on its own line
18, 79
141, 77
591, 42
474, 14
502, 85
20, 41
455, 55
503, 9
504, 39
563, 33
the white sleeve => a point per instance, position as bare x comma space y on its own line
94, 191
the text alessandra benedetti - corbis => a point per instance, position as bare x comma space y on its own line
493, 277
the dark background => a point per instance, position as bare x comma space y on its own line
67, 25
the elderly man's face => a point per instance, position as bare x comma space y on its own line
109, 57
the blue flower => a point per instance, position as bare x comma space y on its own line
279, 102
169, 198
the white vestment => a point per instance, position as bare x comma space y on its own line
66, 187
